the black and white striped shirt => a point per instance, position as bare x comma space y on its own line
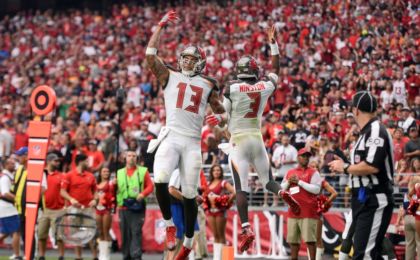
375, 147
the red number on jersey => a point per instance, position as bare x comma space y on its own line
195, 99
255, 104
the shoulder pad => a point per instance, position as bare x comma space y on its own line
171, 68
212, 80
234, 82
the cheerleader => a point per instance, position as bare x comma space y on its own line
324, 204
414, 189
216, 203
105, 189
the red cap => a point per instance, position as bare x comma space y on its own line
304, 151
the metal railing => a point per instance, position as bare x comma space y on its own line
256, 195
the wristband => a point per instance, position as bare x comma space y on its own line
346, 168
274, 49
151, 51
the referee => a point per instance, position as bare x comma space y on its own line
371, 170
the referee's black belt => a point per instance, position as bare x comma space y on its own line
375, 189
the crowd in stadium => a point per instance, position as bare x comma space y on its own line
328, 51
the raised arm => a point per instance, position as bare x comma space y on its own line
275, 54
153, 61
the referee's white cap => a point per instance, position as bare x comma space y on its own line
365, 101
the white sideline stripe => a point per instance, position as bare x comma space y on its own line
376, 224
38, 140
36, 162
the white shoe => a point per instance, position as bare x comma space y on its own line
104, 250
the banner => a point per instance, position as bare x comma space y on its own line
154, 231
334, 222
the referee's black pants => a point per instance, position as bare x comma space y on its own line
371, 220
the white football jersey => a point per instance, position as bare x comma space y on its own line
185, 102
400, 92
245, 104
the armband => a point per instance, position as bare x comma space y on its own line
151, 51
274, 49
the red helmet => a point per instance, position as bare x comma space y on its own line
196, 52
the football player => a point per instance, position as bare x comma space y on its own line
187, 92
244, 101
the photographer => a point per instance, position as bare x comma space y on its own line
134, 185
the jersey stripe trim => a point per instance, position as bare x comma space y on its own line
376, 224
374, 134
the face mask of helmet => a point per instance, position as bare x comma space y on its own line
189, 56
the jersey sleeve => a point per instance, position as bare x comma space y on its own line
226, 92
65, 181
4, 185
213, 82
376, 146
44, 183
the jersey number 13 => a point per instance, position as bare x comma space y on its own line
195, 98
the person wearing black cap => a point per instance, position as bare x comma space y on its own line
20, 190
412, 147
371, 179
406, 121
299, 135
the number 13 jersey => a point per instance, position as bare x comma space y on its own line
185, 102
245, 103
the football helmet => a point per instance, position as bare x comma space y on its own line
247, 68
198, 66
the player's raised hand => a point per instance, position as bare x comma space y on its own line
169, 17
272, 34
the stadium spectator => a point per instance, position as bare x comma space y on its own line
133, 186
402, 168
412, 147
78, 188
407, 120
399, 144
9, 218
284, 159
304, 184
299, 134
96, 158
6, 142
53, 206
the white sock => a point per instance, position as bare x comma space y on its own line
169, 222
319, 253
246, 224
191, 256
216, 251
343, 256
188, 242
